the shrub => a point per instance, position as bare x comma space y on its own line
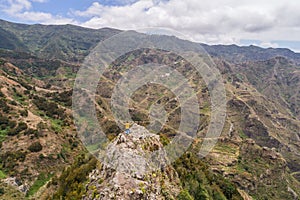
41, 156
21, 127
14, 103
12, 124
51, 109
72, 178
31, 131
200, 182
3, 106
9, 160
184, 195
1, 94
25, 85
63, 97
4, 122
164, 139
24, 113
35, 147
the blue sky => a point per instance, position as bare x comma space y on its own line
63, 7
265, 23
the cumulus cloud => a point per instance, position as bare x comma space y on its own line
15, 6
94, 10
218, 21
21, 9
45, 18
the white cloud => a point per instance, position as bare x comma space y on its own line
268, 45
94, 10
44, 18
21, 9
39, 1
215, 21
15, 6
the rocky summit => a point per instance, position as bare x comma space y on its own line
130, 172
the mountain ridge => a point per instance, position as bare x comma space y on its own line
23, 32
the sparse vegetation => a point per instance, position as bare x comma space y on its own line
200, 182
1, 94
2, 174
41, 180
64, 98
3, 106
51, 109
22, 126
57, 125
164, 139
9, 160
184, 195
24, 113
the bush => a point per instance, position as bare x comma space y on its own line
51, 109
31, 131
14, 103
4, 122
71, 181
12, 124
9, 160
184, 195
1, 94
64, 97
200, 182
164, 139
24, 113
35, 147
25, 85
21, 127
3, 106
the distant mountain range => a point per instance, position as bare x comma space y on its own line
73, 43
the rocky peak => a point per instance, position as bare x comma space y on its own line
135, 166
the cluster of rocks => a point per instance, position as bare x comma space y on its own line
13, 181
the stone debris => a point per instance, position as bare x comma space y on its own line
13, 181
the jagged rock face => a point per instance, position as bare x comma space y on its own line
136, 153
131, 171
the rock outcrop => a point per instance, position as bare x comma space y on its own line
135, 166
